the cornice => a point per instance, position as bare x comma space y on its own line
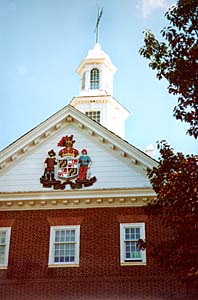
71, 116
92, 98
75, 199
99, 99
99, 61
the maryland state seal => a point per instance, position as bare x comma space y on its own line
71, 169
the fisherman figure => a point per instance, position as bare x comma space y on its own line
85, 163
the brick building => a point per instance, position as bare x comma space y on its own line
71, 204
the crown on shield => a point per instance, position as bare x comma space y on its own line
67, 142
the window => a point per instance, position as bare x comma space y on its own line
94, 79
129, 252
94, 115
4, 245
64, 245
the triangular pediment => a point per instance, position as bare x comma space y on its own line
117, 165
66, 117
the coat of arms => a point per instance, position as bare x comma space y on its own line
68, 168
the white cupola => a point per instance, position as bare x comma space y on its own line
96, 92
96, 72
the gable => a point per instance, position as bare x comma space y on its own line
111, 168
120, 168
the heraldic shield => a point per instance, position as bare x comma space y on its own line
68, 167
71, 169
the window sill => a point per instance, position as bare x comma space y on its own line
133, 263
3, 267
63, 265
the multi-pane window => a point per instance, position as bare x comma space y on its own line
94, 115
64, 245
4, 245
94, 79
129, 236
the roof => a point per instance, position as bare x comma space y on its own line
120, 168
69, 114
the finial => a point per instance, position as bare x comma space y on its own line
97, 23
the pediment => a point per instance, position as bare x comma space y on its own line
120, 169
66, 117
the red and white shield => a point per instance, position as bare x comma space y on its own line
67, 167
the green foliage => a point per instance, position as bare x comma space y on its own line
177, 59
175, 182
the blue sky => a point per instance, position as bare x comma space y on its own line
42, 43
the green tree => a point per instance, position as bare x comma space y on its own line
175, 180
176, 59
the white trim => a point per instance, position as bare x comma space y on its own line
7, 246
75, 199
77, 194
27, 142
51, 262
123, 260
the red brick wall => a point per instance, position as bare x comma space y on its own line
99, 275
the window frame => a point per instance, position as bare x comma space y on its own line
7, 246
75, 263
123, 260
95, 115
95, 79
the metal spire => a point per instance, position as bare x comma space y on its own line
97, 23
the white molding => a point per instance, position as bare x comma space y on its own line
40, 133
76, 199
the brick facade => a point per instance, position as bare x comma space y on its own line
99, 275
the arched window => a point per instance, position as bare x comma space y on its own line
94, 79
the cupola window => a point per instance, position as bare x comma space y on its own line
94, 79
94, 115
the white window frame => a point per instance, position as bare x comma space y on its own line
123, 260
7, 230
94, 115
51, 262
94, 79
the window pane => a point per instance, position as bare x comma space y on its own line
62, 259
57, 236
132, 252
137, 233
2, 258
2, 254
2, 237
94, 79
94, 115
64, 252
72, 235
132, 234
94, 74
56, 259
62, 238
2, 249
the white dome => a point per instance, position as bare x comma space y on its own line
97, 52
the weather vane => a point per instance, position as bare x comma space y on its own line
97, 23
